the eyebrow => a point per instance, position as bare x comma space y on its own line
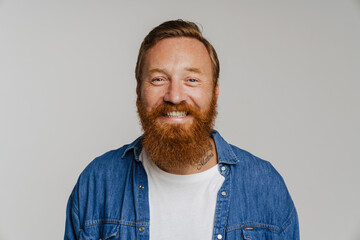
192, 69
157, 70
189, 69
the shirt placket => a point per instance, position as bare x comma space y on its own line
142, 206
222, 204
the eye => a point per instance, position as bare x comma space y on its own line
192, 82
158, 81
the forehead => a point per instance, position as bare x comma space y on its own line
178, 52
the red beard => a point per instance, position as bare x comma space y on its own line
173, 146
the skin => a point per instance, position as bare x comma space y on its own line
179, 70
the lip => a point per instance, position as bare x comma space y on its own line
176, 119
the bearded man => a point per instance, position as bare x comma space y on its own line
180, 179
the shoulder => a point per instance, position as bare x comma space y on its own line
254, 168
114, 162
108, 178
106, 162
105, 172
257, 183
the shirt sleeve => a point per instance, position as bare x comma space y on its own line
291, 231
72, 224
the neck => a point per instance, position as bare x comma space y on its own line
207, 161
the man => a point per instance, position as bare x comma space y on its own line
181, 179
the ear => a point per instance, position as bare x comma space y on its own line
138, 89
217, 89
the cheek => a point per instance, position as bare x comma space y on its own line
203, 99
150, 99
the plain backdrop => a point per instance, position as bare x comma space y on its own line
289, 93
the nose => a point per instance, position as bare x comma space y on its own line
174, 93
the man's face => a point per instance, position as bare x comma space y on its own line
177, 102
177, 71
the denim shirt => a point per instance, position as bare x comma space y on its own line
111, 200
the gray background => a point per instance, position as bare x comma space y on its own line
289, 93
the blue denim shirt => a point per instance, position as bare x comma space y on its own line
111, 201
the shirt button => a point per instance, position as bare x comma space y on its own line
141, 187
223, 168
224, 194
219, 236
141, 229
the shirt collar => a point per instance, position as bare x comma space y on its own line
225, 153
136, 146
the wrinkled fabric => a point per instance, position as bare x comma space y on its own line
110, 198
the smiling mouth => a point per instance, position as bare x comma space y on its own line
176, 114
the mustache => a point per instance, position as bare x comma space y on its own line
165, 107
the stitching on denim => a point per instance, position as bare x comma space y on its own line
218, 207
265, 226
244, 235
253, 225
247, 238
130, 146
233, 154
112, 234
115, 221
76, 211
111, 219
139, 167
229, 197
138, 205
288, 221
126, 224
217, 211
109, 235
137, 177
73, 205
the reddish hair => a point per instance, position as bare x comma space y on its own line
169, 29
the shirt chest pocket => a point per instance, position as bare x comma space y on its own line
252, 234
100, 232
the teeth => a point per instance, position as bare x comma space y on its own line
176, 114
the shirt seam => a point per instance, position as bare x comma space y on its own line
115, 221
263, 225
253, 225
289, 220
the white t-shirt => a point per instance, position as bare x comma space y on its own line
181, 206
